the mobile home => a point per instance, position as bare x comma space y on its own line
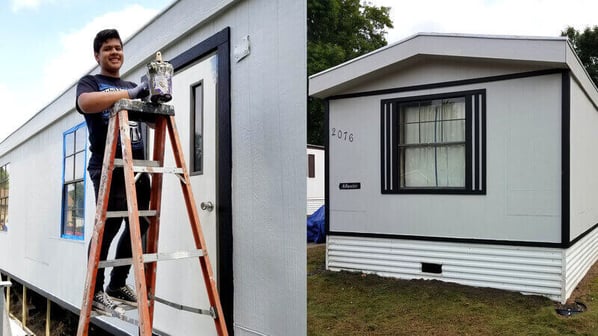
463, 158
239, 68
315, 178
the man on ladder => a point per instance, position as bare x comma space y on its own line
96, 94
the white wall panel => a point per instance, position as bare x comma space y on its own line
583, 162
268, 152
522, 200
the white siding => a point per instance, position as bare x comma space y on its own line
268, 147
522, 201
38, 254
579, 259
269, 191
523, 269
583, 162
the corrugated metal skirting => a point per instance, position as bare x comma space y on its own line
528, 270
579, 259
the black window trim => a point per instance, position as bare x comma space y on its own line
193, 170
475, 148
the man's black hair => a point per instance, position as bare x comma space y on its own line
104, 36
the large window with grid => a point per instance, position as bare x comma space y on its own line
434, 143
4, 184
73, 186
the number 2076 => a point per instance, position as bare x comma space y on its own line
342, 135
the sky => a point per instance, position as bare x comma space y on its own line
46, 45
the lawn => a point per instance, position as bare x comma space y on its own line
343, 303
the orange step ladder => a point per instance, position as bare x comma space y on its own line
145, 275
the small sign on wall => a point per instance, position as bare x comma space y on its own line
349, 185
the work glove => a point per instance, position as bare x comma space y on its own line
140, 91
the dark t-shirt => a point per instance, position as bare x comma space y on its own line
97, 123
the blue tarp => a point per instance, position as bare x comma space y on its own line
316, 230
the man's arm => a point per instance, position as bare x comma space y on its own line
98, 101
95, 102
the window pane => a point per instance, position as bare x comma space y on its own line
429, 142
69, 144
442, 166
69, 165
451, 130
74, 216
427, 111
79, 165
68, 214
68, 228
453, 108
418, 167
410, 134
81, 139
410, 112
78, 211
427, 131
451, 166
198, 128
311, 165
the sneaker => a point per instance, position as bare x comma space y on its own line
103, 304
124, 294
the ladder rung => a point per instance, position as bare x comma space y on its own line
119, 313
153, 257
211, 311
147, 163
142, 213
149, 166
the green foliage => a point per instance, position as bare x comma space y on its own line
585, 45
337, 31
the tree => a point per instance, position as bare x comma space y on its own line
586, 46
337, 31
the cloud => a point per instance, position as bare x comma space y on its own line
74, 59
504, 17
76, 55
18, 5
15, 108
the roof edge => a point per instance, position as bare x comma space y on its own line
433, 34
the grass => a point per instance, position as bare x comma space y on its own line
343, 303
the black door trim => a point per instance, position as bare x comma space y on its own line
219, 43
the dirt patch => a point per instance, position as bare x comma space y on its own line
62, 321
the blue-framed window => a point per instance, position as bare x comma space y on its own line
4, 179
73, 182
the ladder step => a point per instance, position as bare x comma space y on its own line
142, 213
118, 313
211, 311
149, 166
153, 257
